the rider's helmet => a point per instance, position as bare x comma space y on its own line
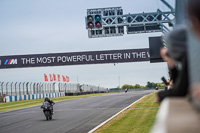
46, 99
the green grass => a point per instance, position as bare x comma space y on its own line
139, 118
30, 103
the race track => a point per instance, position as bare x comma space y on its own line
72, 116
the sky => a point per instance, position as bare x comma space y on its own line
58, 26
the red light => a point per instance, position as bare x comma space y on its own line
90, 25
98, 24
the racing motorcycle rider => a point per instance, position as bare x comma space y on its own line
50, 102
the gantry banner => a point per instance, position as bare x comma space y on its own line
74, 58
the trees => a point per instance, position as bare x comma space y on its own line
137, 86
153, 85
126, 86
160, 85
149, 85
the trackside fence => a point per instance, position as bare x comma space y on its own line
15, 91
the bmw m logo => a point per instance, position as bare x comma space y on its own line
10, 61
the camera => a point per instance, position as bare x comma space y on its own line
164, 80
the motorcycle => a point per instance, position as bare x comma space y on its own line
48, 110
126, 90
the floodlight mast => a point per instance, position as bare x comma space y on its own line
112, 21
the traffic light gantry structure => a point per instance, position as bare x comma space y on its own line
107, 22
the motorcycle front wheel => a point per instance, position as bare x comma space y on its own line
47, 115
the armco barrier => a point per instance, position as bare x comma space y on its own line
32, 96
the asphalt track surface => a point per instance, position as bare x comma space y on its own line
72, 116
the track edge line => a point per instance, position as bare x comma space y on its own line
97, 127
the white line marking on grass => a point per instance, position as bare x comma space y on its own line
94, 129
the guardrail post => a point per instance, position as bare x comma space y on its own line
11, 89
33, 88
27, 88
30, 88
23, 88
19, 88
2, 87
54, 87
65, 87
37, 88
59, 87
42, 87
45, 87
15, 88
50, 87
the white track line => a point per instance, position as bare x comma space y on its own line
91, 131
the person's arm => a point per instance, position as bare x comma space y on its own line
180, 86
52, 103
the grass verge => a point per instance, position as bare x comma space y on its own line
30, 103
139, 118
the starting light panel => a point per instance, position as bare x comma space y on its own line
93, 19
95, 25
